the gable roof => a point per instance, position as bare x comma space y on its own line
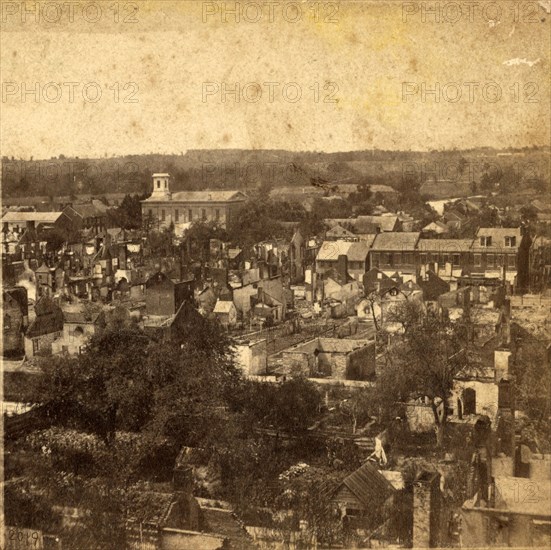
339, 231
454, 214
90, 210
436, 226
331, 250
365, 224
396, 241
37, 217
46, 323
358, 251
354, 251
369, 486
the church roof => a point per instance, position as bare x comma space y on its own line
203, 196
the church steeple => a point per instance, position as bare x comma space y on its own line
161, 187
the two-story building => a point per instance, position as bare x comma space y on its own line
356, 254
498, 252
393, 252
164, 208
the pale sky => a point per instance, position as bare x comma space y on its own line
365, 54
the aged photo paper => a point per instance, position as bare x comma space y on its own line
276, 274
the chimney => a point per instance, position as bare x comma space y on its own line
426, 510
182, 480
501, 364
342, 267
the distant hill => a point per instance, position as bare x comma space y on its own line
235, 168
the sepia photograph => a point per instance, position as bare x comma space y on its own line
276, 274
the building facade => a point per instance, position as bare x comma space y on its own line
164, 208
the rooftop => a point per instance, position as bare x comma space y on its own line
444, 245
37, 217
369, 486
204, 196
396, 241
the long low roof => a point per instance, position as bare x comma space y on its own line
396, 241
24, 217
203, 196
444, 245
354, 251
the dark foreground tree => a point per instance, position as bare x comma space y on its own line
424, 363
125, 380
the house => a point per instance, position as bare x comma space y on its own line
164, 296
455, 219
226, 313
15, 311
39, 221
79, 325
363, 225
44, 329
480, 390
355, 252
91, 216
435, 228
335, 358
445, 257
243, 297
389, 299
206, 299
251, 356
540, 264
375, 280
297, 257
183, 208
337, 232
391, 252
406, 221
45, 280
336, 284
363, 498
432, 286
273, 293
175, 327
502, 253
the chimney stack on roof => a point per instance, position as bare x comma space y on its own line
342, 267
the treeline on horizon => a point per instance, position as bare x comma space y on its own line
243, 169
